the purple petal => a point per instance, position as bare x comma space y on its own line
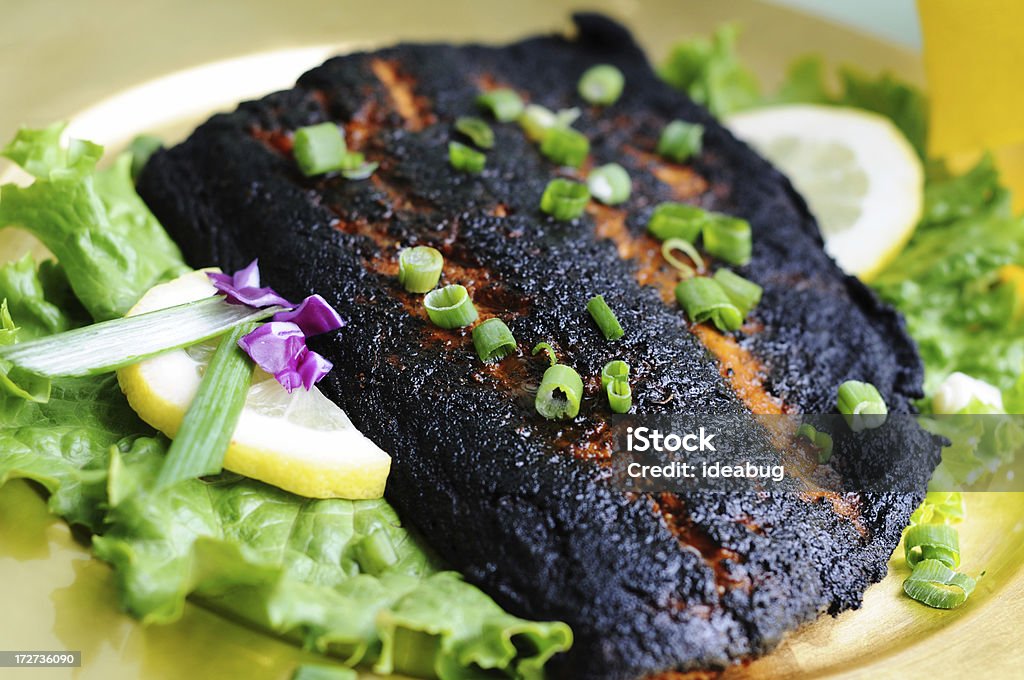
243, 288
275, 347
312, 368
314, 316
248, 277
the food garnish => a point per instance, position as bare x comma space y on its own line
493, 340
466, 158
565, 146
861, 405
504, 104
450, 307
419, 268
605, 318
680, 140
601, 84
564, 199
609, 184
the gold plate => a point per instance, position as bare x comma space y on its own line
162, 67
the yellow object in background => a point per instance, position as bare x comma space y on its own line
974, 58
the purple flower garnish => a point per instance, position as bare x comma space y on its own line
314, 316
279, 347
243, 288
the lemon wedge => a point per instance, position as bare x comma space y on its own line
300, 442
859, 175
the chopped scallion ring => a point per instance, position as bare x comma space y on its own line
465, 158
601, 84
821, 441
564, 199
493, 340
677, 220
504, 104
682, 244
536, 120
680, 140
478, 131
319, 148
361, 171
743, 293
546, 347
609, 184
605, 318
620, 396
936, 585
932, 542
614, 370
560, 393
728, 238
419, 268
565, 146
704, 300
861, 405
450, 307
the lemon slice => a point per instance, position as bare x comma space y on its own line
860, 176
301, 442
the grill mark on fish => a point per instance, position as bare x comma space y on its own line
519, 504
414, 109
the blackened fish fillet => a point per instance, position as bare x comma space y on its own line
522, 506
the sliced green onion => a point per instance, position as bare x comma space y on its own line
419, 268
743, 293
620, 396
504, 104
680, 140
465, 158
932, 542
493, 340
319, 149
354, 166
677, 220
605, 318
376, 552
704, 300
114, 344
536, 120
861, 405
609, 184
936, 585
728, 238
311, 671
615, 382
821, 441
564, 199
601, 84
552, 359
202, 439
478, 131
565, 146
560, 393
142, 147
940, 507
682, 244
450, 307
614, 370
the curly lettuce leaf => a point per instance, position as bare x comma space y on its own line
342, 577
108, 242
950, 286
